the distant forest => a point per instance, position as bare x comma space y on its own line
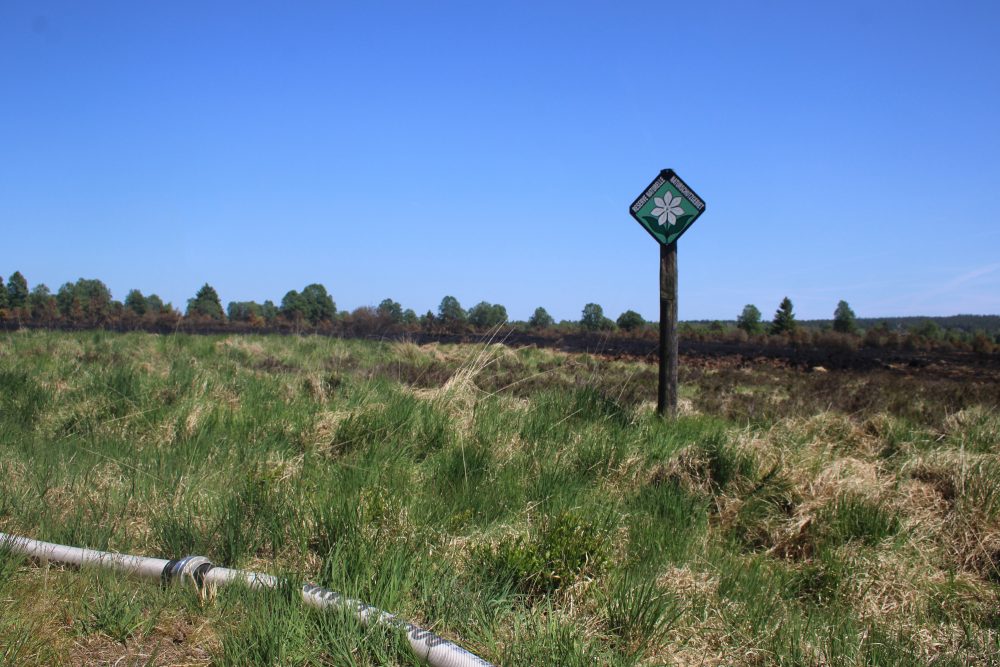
88, 303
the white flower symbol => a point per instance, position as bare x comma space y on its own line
667, 209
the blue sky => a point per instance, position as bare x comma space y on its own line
846, 150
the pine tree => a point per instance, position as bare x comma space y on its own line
17, 291
206, 303
784, 318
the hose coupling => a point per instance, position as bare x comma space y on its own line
189, 568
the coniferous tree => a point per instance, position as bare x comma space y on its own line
205, 303
784, 318
3, 295
17, 291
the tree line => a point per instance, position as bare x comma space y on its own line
846, 331
89, 303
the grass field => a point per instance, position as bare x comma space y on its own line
526, 504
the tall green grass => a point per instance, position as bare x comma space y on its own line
533, 509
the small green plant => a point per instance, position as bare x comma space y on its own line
552, 557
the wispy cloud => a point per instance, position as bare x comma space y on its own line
958, 281
955, 283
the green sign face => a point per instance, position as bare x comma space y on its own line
667, 207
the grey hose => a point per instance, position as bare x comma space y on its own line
435, 650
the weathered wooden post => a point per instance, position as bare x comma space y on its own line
666, 395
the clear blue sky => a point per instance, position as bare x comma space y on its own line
846, 150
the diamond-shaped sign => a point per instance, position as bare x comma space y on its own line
667, 207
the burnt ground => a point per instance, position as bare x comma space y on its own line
709, 353
617, 345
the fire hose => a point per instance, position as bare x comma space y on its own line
199, 571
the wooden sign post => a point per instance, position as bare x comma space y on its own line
666, 394
666, 209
